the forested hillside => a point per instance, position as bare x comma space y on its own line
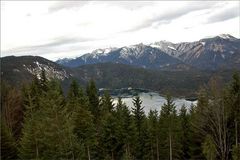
185, 83
39, 122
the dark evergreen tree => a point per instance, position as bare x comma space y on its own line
48, 131
81, 126
138, 115
85, 131
126, 131
76, 98
43, 80
93, 99
232, 102
108, 127
197, 137
185, 133
109, 135
209, 148
73, 90
154, 133
8, 144
12, 110
106, 103
170, 147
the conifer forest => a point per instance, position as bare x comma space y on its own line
41, 122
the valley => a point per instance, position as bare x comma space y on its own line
180, 69
120, 80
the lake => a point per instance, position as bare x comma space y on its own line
152, 101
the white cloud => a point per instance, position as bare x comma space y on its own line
68, 29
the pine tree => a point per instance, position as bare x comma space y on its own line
82, 118
138, 115
169, 133
85, 130
212, 118
146, 140
108, 135
29, 143
236, 152
31, 96
48, 131
196, 123
12, 109
93, 99
209, 148
185, 132
76, 98
126, 131
106, 103
73, 90
232, 101
8, 144
43, 80
153, 133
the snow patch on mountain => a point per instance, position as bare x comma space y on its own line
172, 48
103, 52
187, 52
49, 70
154, 46
223, 56
214, 58
203, 43
225, 36
133, 50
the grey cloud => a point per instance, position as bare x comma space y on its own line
66, 5
57, 44
224, 15
171, 15
130, 5
63, 41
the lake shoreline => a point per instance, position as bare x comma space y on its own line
131, 92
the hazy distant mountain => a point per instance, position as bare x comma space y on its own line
222, 51
139, 55
209, 53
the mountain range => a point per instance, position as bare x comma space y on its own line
179, 69
222, 51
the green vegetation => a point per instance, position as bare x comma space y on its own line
39, 122
184, 83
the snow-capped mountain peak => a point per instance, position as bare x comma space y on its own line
205, 53
133, 50
104, 51
167, 47
226, 36
222, 36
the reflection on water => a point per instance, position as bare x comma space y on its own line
152, 100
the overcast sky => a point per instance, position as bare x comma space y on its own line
57, 29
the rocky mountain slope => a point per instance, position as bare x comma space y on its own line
222, 51
139, 55
19, 70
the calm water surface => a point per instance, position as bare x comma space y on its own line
152, 101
